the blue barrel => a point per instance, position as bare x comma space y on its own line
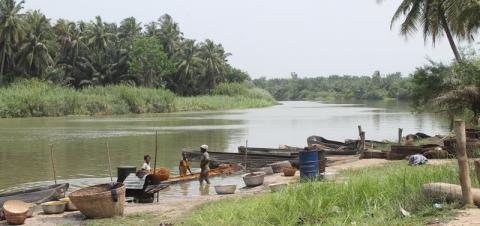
309, 165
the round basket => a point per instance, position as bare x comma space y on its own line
98, 201
278, 166
289, 171
15, 211
161, 174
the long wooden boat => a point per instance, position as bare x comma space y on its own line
289, 151
36, 195
331, 147
253, 160
232, 168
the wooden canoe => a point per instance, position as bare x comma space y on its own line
331, 147
253, 160
212, 173
36, 195
290, 151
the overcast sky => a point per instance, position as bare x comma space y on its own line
272, 38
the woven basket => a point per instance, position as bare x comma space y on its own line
278, 166
289, 171
15, 211
96, 201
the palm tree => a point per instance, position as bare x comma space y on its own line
460, 99
35, 53
98, 35
434, 17
129, 28
151, 29
170, 35
466, 16
189, 65
11, 32
215, 59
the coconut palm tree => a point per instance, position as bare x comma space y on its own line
129, 28
215, 59
433, 17
35, 54
11, 32
98, 35
460, 99
152, 30
170, 35
189, 67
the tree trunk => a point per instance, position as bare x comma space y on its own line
2, 67
446, 28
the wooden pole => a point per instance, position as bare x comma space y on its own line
156, 152
477, 169
362, 138
400, 131
109, 161
463, 162
360, 131
53, 164
246, 154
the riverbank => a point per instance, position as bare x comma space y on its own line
34, 98
371, 196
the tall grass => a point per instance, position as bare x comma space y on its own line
371, 196
35, 98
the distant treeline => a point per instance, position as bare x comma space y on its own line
373, 87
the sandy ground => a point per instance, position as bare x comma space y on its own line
169, 209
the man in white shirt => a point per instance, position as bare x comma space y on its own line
204, 161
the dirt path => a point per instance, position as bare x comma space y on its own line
171, 208
466, 217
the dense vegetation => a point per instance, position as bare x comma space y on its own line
30, 98
373, 87
371, 196
83, 54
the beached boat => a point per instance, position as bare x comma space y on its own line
288, 151
253, 160
36, 195
331, 147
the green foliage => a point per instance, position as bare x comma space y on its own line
376, 87
148, 62
236, 89
35, 98
371, 196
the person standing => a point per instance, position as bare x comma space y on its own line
184, 166
204, 161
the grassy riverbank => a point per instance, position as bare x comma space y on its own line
34, 98
371, 196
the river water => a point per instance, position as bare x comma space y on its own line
80, 151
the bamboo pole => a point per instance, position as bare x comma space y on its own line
53, 164
109, 161
156, 152
400, 131
463, 162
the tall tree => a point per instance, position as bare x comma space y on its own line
148, 62
432, 16
11, 32
36, 52
215, 60
189, 68
170, 35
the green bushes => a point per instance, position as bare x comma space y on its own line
35, 98
237, 89
371, 196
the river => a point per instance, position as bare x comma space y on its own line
79, 142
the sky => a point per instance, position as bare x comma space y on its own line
273, 38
